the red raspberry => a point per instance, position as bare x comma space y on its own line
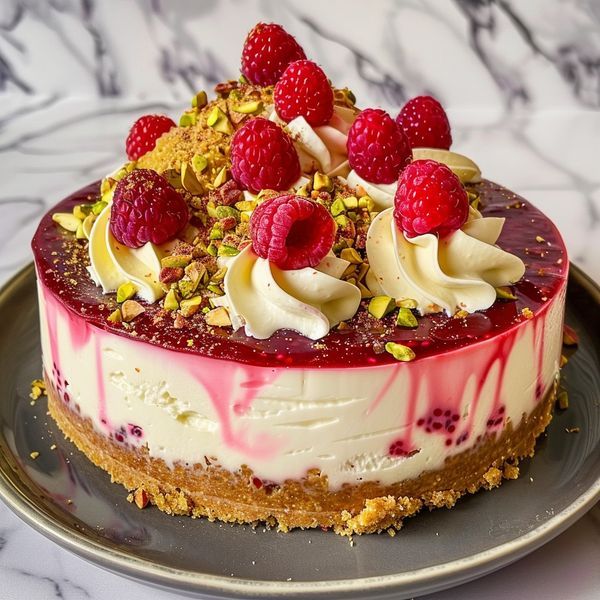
304, 91
263, 157
425, 123
267, 51
144, 133
292, 232
430, 199
377, 148
146, 208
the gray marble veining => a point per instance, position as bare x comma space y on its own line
521, 81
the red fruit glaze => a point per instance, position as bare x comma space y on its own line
292, 232
547, 267
425, 123
377, 147
267, 51
263, 157
144, 133
146, 208
304, 91
430, 199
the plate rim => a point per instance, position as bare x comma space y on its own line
443, 576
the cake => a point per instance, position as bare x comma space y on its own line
288, 310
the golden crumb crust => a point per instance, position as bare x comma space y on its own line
208, 490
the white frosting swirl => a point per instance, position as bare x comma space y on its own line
266, 298
457, 272
321, 148
113, 263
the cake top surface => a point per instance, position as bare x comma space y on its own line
278, 224
61, 262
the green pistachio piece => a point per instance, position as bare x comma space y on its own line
216, 233
199, 163
215, 289
98, 207
176, 260
187, 119
342, 220
67, 221
381, 306
225, 250
221, 178
242, 79
351, 255
125, 291
351, 202
246, 205
249, 108
406, 303
322, 182
505, 293
200, 100
365, 292
218, 120
219, 275
303, 190
366, 202
218, 317
80, 234
115, 316
195, 271
81, 211
212, 249
187, 287
190, 306
563, 400
130, 309
400, 352
211, 209
223, 211
406, 318
189, 180
337, 207
171, 302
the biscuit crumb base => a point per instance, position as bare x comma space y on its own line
208, 490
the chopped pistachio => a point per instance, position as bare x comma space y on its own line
211, 209
246, 205
216, 233
249, 108
363, 269
187, 287
380, 306
33, 455
80, 233
125, 291
400, 352
98, 207
505, 293
342, 325
527, 312
365, 292
190, 306
351, 255
303, 190
342, 220
176, 260
67, 221
337, 207
218, 120
242, 78
351, 202
245, 216
406, 318
200, 100
219, 275
130, 309
349, 271
225, 250
460, 314
221, 212
406, 303
215, 289
187, 119
87, 225
322, 182
195, 271
366, 202
352, 215
199, 163
171, 302
218, 317
115, 316
563, 400
221, 177
189, 180
81, 211
212, 249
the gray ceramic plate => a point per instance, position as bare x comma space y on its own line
67, 499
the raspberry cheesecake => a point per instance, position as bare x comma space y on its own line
288, 310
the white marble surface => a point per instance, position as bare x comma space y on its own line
522, 92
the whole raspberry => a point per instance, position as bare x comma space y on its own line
267, 51
377, 148
425, 123
304, 91
263, 157
146, 208
292, 232
430, 199
144, 133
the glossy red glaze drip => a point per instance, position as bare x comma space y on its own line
546, 262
